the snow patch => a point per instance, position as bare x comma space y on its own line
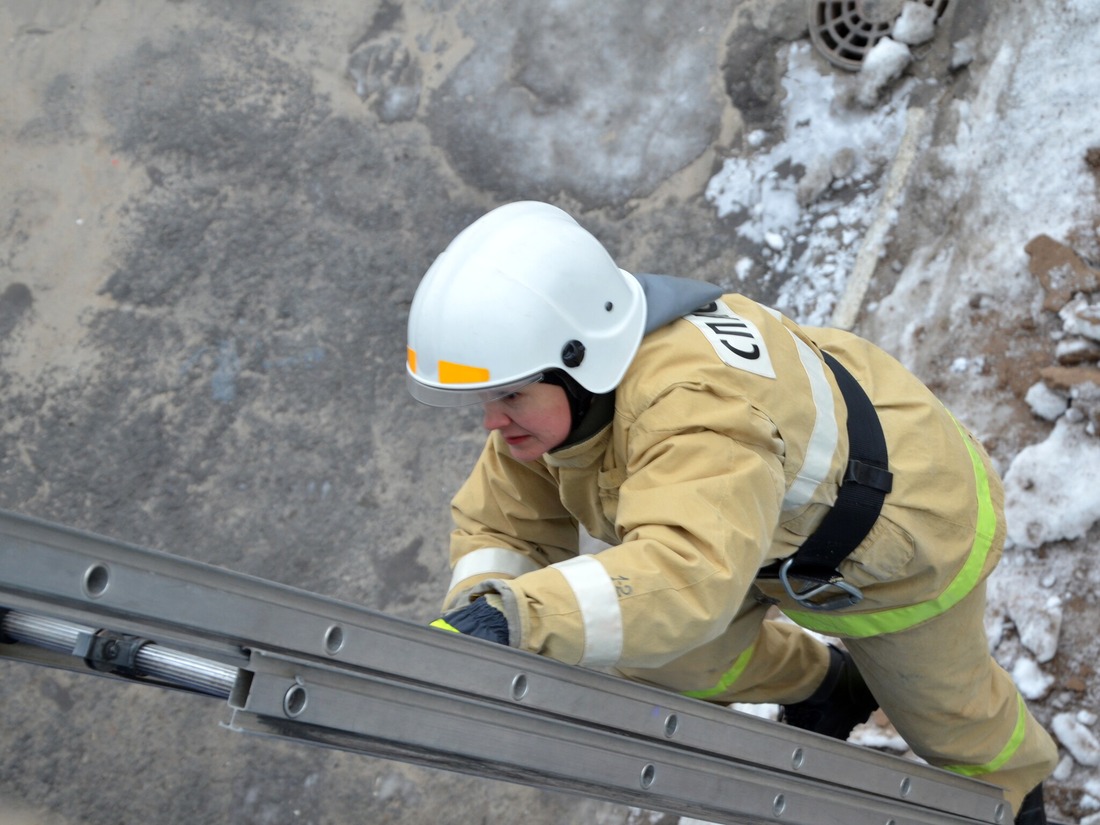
788, 197
1038, 625
1045, 402
764, 710
1052, 489
881, 67
1077, 739
1030, 679
870, 735
1064, 770
916, 25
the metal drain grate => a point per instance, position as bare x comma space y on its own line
845, 30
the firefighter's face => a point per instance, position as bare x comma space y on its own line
532, 421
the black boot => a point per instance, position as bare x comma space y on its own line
838, 705
1032, 811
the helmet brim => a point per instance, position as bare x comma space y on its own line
465, 396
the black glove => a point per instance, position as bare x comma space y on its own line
481, 619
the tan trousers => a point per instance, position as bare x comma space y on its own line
937, 683
953, 704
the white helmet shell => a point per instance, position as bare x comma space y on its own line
522, 290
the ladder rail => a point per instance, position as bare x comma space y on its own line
323, 705
181, 608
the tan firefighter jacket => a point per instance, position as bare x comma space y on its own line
727, 447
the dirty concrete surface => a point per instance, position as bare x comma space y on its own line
214, 218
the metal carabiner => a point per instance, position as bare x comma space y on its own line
850, 594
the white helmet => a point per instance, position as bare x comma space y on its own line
522, 290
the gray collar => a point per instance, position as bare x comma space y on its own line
668, 298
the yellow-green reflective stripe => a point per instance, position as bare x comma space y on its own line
728, 678
443, 625
861, 626
1007, 753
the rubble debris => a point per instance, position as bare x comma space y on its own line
1071, 386
387, 75
1081, 385
1069, 378
1080, 317
1075, 351
1060, 270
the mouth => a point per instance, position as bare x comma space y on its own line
513, 440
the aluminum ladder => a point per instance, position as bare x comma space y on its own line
299, 666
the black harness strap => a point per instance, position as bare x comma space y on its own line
859, 499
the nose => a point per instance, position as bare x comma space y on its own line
493, 417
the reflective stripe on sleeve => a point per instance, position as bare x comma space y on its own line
861, 626
491, 560
823, 440
599, 606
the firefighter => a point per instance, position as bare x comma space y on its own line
733, 462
